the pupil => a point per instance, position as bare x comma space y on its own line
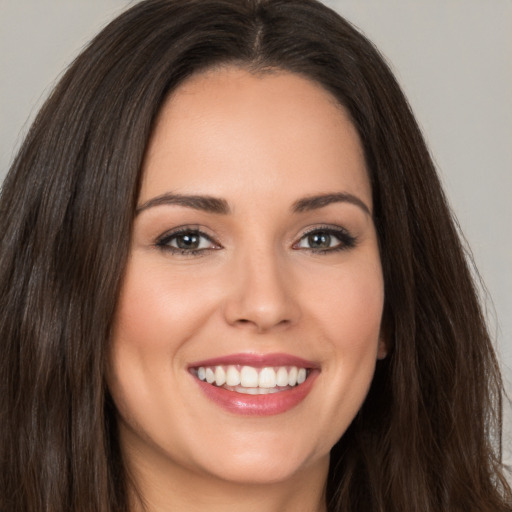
319, 240
187, 242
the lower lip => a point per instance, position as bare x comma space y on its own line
258, 405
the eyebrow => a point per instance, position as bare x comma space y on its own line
206, 203
322, 200
220, 206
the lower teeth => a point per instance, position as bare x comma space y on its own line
256, 391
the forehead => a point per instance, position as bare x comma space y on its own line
228, 128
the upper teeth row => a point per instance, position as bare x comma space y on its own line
251, 377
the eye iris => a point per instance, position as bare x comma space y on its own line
319, 240
188, 241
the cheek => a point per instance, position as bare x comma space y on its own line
351, 308
154, 318
158, 308
349, 319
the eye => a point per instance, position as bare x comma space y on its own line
326, 240
186, 241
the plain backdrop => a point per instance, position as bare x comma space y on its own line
452, 57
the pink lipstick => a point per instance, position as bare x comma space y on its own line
255, 384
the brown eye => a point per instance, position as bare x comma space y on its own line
186, 242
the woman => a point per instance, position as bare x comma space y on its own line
227, 198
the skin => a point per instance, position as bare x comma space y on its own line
261, 142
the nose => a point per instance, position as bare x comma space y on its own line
262, 293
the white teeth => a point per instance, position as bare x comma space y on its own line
232, 376
264, 391
267, 378
255, 391
220, 376
251, 380
292, 376
249, 377
247, 391
210, 376
282, 377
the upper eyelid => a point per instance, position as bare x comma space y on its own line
202, 231
326, 227
165, 238
346, 238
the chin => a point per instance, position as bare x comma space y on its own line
261, 458
262, 469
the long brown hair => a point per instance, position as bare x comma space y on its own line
427, 438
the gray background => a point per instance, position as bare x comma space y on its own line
452, 57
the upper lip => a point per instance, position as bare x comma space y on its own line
256, 360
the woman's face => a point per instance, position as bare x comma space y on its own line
254, 259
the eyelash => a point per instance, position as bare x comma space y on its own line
346, 241
165, 240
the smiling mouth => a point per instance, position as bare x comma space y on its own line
252, 380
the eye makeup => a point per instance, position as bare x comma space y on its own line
324, 239
187, 241
192, 241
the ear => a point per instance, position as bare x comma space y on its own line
382, 349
